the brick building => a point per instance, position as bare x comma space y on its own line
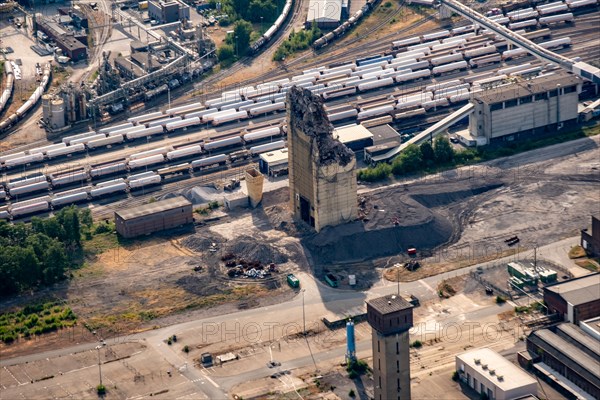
590, 240
575, 300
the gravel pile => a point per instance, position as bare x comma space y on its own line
202, 242
251, 249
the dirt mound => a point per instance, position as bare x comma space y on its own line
352, 242
439, 197
252, 249
202, 242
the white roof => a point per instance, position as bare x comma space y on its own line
513, 377
324, 11
352, 133
275, 157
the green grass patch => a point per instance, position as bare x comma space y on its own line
35, 319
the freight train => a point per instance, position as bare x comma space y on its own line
274, 29
346, 26
30, 103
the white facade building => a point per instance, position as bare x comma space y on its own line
489, 373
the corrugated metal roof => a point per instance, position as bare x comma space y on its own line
153, 208
324, 11
389, 304
578, 291
573, 357
576, 335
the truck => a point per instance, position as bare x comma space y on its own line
293, 281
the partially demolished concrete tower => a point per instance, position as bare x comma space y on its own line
322, 170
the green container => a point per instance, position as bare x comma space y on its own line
293, 281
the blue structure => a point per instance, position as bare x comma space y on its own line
350, 342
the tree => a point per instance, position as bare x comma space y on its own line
444, 153
69, 219
427, 153
408, 161
225, 53
56, 264
241, 37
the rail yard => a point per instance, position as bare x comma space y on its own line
418, 77
145, 128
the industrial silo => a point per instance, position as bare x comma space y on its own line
46, 107
58, 114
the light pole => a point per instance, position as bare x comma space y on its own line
99, 364
303, 315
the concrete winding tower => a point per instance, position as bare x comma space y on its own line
322, 170
390, 318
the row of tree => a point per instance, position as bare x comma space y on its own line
37, 254
413, 158
256, 11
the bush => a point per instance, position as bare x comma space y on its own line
186, 349
351, 393
374, 174
500, 300
455, 376
417, 344
101, 389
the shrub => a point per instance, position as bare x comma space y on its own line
351, 393
186, 349
101, 389
500, 300
374, 174
417, 344
455, 376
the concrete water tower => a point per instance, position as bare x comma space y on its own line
390, 318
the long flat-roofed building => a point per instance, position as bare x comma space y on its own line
568, 358
492, 375
355, 137
154, 217
518, 110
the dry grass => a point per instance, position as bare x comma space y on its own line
577, 252
430, 269
588, 264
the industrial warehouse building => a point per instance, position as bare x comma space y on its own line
523, 109
568, 358
355, 137
575, 300
154, 217
274, 163
492, 375
590, 240
327, 14
72, 46
168, 11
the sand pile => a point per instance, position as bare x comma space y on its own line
200, 242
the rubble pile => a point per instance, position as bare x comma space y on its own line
309, 116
